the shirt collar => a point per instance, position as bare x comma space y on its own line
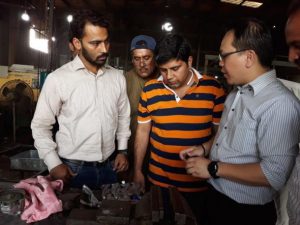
78, 65
261, 81
198, 75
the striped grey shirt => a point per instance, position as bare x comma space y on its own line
293, 204
260, 123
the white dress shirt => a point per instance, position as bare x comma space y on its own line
92, 111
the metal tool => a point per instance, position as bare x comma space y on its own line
90, 199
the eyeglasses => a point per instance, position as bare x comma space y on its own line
224, 55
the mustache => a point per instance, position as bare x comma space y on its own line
144, 68
103, 55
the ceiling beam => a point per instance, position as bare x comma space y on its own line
67, 3
88, 4
13, 5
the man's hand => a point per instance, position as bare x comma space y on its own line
121, 163
197, 167
139, 180
62, 172
191, 152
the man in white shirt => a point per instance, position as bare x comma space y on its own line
91, 105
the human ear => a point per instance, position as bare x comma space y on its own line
251, 58
77, 43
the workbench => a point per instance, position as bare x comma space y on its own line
148, 211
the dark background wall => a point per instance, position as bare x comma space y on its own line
200, 21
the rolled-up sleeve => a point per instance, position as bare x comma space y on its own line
278, 138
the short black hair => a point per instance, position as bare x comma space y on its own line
253, 34
81, 18
172, 46
293, 7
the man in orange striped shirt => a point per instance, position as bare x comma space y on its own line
179, 110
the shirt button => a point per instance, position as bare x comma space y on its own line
241, 92
217, 144
232, 109
225, 128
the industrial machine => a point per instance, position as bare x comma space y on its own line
16, 107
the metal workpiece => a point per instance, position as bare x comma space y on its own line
12, 201
28, 160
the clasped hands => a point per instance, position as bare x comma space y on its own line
196, 163
65, 173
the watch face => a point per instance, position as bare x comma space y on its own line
213, 169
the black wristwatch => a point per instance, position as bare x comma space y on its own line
213, 169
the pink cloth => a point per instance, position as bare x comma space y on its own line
41, 200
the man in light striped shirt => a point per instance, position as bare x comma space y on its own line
255, 147
292, 33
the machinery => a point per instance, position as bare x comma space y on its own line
16, 107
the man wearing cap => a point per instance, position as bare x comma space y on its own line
144, 69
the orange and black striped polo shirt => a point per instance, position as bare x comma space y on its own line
177, 125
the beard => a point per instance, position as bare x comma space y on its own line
98, 62
172, 85
145, 72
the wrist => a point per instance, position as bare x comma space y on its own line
123, 151
136, 171
205, 153
212, 169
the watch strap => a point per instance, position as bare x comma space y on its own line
123, 151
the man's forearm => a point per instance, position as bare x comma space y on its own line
140, 148
139, 155
141, 145
207, 145
249, 174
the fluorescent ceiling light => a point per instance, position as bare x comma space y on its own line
236, 2
69, 18
252, 4
25, 16
167, 26
40, 44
